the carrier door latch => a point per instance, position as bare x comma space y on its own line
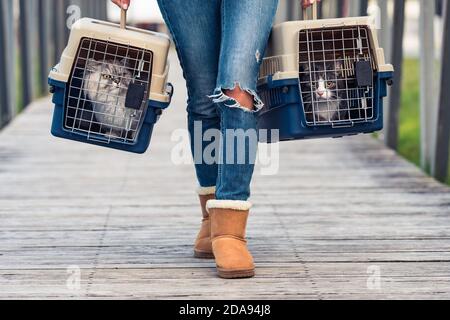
135, 96
364, 73
136, 91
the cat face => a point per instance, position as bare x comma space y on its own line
323, 81
105, 85
323, 90
111, 77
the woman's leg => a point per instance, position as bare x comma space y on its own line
196, 30
246, 25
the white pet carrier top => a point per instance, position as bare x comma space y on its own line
283, 55
100, 38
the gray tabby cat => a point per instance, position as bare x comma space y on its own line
323, 87
105, 85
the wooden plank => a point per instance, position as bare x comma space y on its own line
291, 281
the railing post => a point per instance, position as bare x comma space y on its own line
25, 52
354, 8
4, 89
428, 102
66, 5
58, 26
85, 10
320, 10
363, 6
386, 30
11, 58
440, 171
43, 18
329, 9
343, 8
103, 10
92, 9
397, 60
283, 11
294, 10
340, 8
385, 37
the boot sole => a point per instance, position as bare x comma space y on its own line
203, 255
236, 274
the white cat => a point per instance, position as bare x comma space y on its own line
105, 86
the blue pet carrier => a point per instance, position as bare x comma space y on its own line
323, 78
110, 86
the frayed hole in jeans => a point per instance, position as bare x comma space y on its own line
220, 96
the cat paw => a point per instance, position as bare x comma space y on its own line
113, 135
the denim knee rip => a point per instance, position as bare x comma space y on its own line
219, 96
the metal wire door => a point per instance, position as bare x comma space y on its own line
336, 86
100, 80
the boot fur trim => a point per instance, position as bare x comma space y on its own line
229, 204
206, 191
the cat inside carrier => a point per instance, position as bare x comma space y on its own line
323, 78
110, 86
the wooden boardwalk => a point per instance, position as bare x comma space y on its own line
338, 214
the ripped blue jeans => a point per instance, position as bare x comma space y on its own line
221, 44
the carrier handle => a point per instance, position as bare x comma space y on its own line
314, 11
123, 18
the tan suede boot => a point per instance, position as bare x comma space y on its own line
203, 246
228, 224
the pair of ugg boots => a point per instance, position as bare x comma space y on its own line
222, 235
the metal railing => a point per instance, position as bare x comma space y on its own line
33, 34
